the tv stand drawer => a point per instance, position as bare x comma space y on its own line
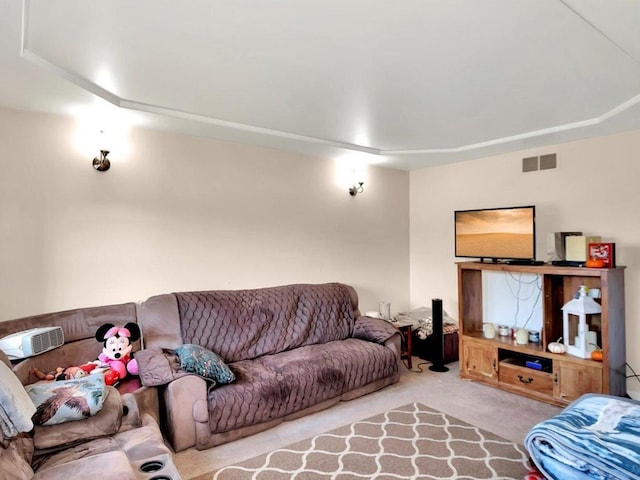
525, 378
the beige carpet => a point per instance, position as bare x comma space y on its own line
410, 442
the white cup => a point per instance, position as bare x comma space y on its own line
385, 310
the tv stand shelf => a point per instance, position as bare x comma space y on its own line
501, 362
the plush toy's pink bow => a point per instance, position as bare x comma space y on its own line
120, 331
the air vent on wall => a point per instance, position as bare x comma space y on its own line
542, 162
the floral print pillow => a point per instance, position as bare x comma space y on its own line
67, 400
196, 359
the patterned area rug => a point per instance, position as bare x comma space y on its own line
411, 442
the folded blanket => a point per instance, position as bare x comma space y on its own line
374, 330
157, 367
597, 436
7, 427
15, 402
422, 321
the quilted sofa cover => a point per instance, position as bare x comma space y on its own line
294, 349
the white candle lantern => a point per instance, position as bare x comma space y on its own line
580, 318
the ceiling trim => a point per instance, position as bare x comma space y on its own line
603, 34
522, 136
114, 99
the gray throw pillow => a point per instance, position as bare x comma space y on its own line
196, 359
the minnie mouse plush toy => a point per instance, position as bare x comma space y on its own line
116, 352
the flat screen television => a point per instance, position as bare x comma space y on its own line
506, 233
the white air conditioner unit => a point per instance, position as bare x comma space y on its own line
31, 342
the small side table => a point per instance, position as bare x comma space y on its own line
406, 349
129, 385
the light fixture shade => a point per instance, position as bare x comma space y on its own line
356, 189
102, 163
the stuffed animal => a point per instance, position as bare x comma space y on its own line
72, 372
116, 352
40, 375
64, 373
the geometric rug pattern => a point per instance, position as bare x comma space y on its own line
410, 442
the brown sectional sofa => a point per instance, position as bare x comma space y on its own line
294, 350
121, 441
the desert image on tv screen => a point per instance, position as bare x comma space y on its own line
502, 233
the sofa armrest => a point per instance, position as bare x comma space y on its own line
394, 343
181, 396
379, 331
374, 330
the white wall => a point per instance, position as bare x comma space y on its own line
596, 190
185, 213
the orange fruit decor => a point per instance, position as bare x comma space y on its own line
595, 263
597, 355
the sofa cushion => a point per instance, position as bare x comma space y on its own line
274, 386
245, 324
204, 362
106, 422
15, 457
116, 456
67, 400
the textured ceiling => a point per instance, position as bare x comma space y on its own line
412, 83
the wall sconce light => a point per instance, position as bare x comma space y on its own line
102, 164
356, 189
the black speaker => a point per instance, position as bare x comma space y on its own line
438, 337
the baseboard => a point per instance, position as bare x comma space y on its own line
634, 392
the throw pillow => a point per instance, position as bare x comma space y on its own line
199, 360
104, 423
67, 400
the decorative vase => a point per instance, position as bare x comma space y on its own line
489, 330
522, 336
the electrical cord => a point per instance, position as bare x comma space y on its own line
536, 282
418, 367
633, 372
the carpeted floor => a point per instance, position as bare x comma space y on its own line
409, 442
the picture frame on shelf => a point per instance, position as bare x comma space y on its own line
603, 251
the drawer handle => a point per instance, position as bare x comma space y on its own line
525, 380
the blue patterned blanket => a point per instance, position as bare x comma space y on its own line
595, 437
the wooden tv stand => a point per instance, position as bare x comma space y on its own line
500, 362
